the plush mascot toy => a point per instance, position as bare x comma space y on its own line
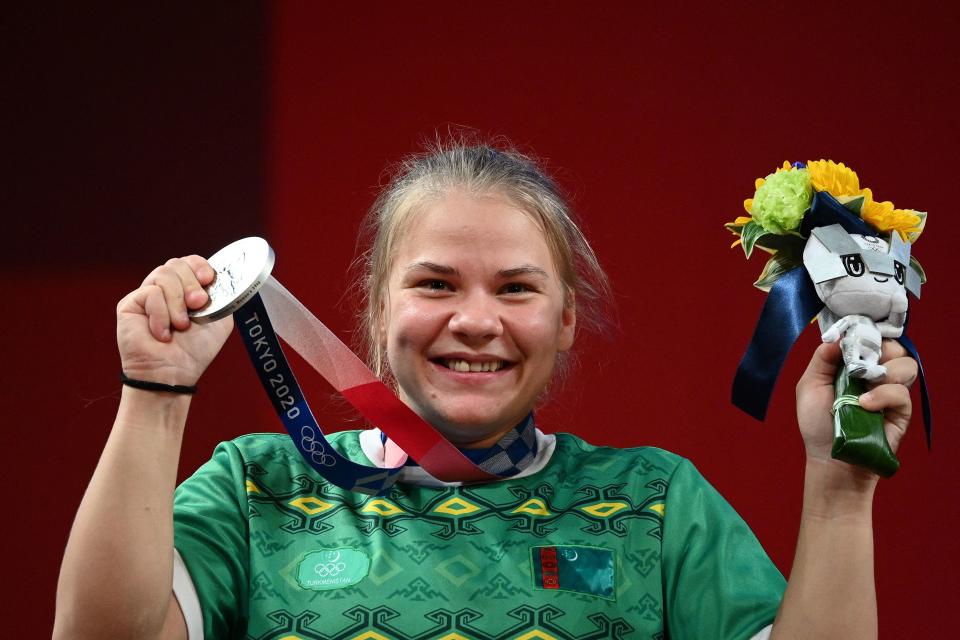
839, 255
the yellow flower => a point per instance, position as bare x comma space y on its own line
884, 217
842, 183
836, 179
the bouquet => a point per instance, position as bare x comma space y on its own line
841, 256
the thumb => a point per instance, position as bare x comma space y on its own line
823, 365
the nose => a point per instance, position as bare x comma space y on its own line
476, 318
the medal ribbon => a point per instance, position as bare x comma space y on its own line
354, 381
510, 455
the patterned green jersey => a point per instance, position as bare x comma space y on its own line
598, 543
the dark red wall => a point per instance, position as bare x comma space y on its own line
197, 129
658, 120
130, 133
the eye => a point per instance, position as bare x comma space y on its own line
515, 288
900, 272
853, 263
434, 285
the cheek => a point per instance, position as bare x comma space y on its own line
893, 290
537, 332
410, 326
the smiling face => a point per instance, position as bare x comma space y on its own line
474, 316
859, 291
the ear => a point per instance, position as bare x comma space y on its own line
568, 324
382, 325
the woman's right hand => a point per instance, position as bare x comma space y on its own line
157, 340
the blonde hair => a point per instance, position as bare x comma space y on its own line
479, 169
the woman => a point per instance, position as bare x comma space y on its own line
477, 278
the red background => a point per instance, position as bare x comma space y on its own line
136, 136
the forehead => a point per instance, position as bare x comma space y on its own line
460, 224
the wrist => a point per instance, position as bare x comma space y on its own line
837, 490
142, 409
160, 373
159, 387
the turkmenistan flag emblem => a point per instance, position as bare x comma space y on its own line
575, 568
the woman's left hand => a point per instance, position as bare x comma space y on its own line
834, 558
815, 396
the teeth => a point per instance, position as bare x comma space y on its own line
473, 367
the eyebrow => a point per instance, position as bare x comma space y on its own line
432, 266
522, 270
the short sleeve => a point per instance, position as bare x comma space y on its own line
718, 581
211, 534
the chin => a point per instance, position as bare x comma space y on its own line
462, 424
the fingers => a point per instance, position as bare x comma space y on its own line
891, 349
890, 398
201, 268
902, 371
169, 278
196, 297
179, 282
168, 292
901, 367
157, 311
147, 301
894, 401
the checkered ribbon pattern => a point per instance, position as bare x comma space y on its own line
509, 456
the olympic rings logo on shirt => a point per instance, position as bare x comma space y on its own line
317, 451
330, 569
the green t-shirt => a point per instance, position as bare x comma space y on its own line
600, 543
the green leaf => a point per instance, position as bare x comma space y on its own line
916, 265
854, 204
778, 264
773, 242
735, 229
749, 235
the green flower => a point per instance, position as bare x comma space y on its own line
781, 201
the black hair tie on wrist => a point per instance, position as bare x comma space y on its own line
157, 386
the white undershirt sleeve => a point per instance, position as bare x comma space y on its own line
763, 634
186, 595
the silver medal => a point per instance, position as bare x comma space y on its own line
242, 267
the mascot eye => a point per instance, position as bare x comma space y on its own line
901, 272
853, 263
